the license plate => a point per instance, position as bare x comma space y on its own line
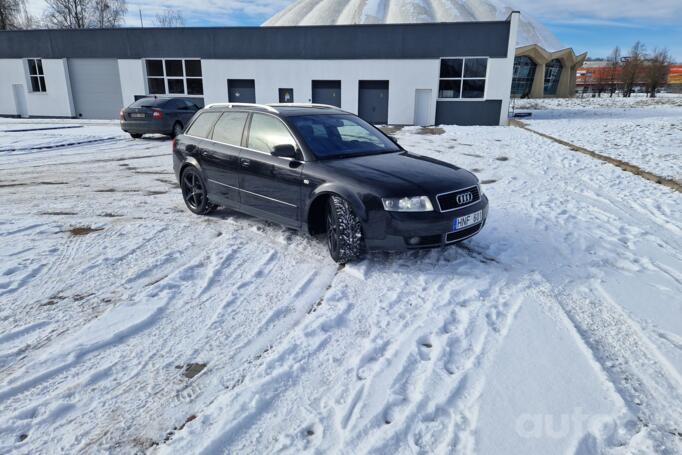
468, 220
137, 115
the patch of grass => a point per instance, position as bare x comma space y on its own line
434, 131
83, 230
59, 213
11, 185
391, 129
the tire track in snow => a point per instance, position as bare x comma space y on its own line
648, 384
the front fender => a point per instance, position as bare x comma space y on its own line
354, 199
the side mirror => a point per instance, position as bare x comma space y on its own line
284, 151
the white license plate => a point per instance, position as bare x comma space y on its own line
468, 220
137, 115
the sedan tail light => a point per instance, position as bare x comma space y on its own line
122, 115
158, 114
174, 145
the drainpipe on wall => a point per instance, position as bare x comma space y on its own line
513, 20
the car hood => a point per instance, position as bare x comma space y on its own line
402, 174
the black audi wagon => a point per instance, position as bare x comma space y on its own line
325, 171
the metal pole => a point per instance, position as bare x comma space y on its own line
141, 23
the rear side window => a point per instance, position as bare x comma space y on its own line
201, 127
267, 132
230, 127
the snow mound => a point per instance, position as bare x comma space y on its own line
338, 12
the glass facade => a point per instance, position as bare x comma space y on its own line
552, 76
524, 73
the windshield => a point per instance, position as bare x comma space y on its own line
340, 136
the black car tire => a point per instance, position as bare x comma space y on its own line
177, 129
135, 135
344, 231
194, 192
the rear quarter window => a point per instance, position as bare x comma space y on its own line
230, 127
202, 126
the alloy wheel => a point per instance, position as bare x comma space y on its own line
193, 189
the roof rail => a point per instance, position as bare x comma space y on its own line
327, 106
231, 105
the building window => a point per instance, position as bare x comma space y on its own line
552, 76
524, 75
286, 95
174, 77
462, 78
36, 74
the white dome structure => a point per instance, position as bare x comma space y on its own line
339, 12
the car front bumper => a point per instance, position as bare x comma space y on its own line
396, 231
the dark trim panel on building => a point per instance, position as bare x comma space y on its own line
468, 113
381, 41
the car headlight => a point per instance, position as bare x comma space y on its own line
408, 204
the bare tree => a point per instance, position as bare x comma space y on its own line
85, 13
613, 70
27, 20
10, 14
632, 68
657, 70
169, 18
67, 13
107, 13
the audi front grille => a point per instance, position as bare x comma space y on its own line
458, 199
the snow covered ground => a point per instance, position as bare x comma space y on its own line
128, 324
646, 132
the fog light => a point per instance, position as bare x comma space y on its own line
414, 240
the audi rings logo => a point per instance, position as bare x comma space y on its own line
465, 198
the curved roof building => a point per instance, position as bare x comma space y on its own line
544, 67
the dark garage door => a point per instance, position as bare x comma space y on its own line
327, 92
373, 101
241, 90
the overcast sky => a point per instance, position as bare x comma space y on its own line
595, 26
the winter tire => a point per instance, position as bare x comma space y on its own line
344, 231
177, 129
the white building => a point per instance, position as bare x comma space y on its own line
438, 73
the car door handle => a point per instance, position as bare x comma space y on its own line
245, 162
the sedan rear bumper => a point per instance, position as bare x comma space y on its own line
394, 231
150, 126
